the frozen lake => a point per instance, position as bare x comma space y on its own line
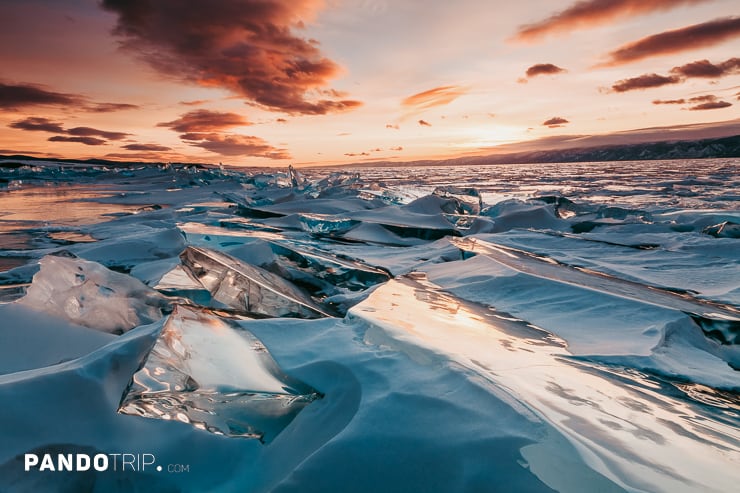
540, 327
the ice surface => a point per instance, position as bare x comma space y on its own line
246, 287
554, 364
207, 371
636, 435
91, 295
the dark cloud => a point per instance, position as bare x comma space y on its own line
669, 101
46, 125
90, 141
424, 123
555, 122
677, 40
705, 102
645, 81
544, 69
438, 96
18, 96
705, 98
234, 145
94, 132
712, 105
245, 46
38, 124
110, 107
147, 147
356, 154
706, 69
394, 127
281, 120
699, 68
205, 121
397, 148
588, 13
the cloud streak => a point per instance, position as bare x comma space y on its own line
14, 97
234, 145
84, 135
697, 69
439, 96
646, 81
590, 13
89, 141
205, 121
675, 41
247, 47
147, 147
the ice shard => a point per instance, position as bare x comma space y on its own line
469, 200
208, 371
247, 287
719, 321
91, 295
341, 272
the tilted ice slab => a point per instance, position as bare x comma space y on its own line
208, 371
721, 322
91, 295
627, 427
246, 287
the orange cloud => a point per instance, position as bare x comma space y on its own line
589, 13
247, 47
205, 121
234, 145
544, 69
677, 40
424, 123
439, 96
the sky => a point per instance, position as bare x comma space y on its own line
311, 82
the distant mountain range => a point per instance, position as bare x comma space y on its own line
723, 147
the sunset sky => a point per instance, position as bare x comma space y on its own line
306, 82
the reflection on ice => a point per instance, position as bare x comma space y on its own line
208, 371
246, 287
639, 436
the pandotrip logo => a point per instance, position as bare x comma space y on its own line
100, 462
